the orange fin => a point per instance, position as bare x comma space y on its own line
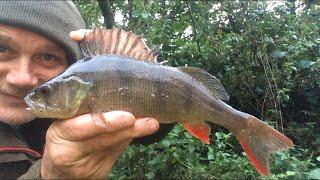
259, 140
200, 130
117, 42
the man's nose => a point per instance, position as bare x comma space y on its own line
22, 74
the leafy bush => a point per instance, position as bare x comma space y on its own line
180, 156
267, 55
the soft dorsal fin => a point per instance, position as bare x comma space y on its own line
117, 42
209, 81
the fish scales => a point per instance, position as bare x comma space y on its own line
156, 91
131, 80
149, 90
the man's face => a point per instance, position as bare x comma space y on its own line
26, 60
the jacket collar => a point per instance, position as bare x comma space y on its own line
13, 147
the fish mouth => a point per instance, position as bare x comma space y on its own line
30, 104
33, 105
38, 110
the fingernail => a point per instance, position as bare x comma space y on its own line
126, 117
153, 124
100, 120
82, 34
77, 35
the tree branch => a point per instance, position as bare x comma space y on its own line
193, 22
106, 10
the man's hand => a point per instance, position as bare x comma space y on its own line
78, 148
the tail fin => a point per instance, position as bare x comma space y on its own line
259, 140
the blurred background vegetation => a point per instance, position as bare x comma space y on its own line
267, 55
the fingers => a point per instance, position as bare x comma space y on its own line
83, 127
79, 143
79, 34
142, 127
119, 125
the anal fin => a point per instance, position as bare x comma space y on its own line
200, 130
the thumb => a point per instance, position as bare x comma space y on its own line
79, 34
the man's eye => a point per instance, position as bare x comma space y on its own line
3, 49
6, 53
48, 57
49, 60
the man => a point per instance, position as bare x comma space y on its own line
34, 47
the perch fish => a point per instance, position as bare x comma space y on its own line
119, 72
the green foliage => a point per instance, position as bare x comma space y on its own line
180, 156
269, 62
314, 174
90, 12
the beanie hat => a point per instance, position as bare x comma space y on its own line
51, 19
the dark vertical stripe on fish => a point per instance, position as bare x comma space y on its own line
124, 82
189, 92
160, 94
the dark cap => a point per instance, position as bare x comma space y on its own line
51, 19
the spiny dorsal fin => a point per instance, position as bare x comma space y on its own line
209, 81
118, 42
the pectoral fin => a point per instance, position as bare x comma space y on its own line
200, 130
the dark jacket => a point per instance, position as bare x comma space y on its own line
21, 148
17, 155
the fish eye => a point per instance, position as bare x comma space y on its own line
44, 90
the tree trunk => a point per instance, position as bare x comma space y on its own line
105, 7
